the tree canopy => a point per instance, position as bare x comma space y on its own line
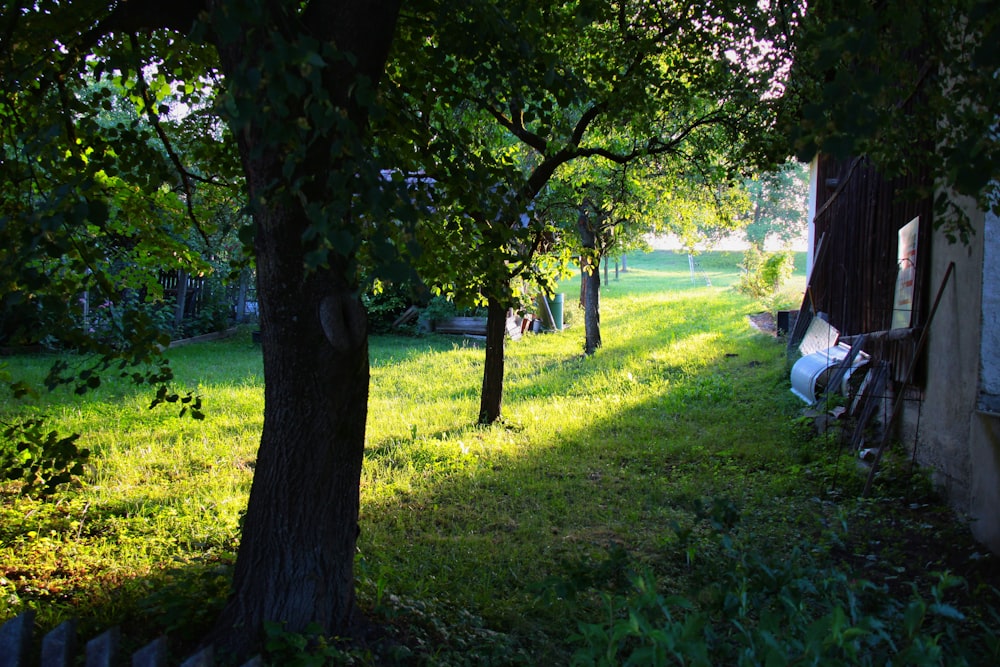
778, 206
318, 115
911, 86
499, 98
288, 103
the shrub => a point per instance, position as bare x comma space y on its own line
768, 607
764, 273
385, 301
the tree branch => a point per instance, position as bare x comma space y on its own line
585, 120
154, 119
515, 126
657, 146
130, 16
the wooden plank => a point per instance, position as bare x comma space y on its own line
59, 646
102, 651
407, 315
153, 654
806, 310
15, 636
887, 335
461, 325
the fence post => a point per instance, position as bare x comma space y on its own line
241, 298
15, 636
103, 649
59, 646
203, 658
153, 654
182, 285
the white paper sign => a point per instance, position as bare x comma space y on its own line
902, 307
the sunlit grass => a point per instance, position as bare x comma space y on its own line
684, 400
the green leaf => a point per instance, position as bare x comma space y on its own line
947, 611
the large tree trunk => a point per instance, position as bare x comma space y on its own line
296, 555
295, 562
491, 397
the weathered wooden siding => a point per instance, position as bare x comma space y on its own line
858, 217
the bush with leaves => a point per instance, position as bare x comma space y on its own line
41, 460
768, 607
385, 301
764, 273
112, 321
214, 314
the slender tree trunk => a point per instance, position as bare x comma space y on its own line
592, 310
590, 285
491, 397
624, 264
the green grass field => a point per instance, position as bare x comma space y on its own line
501, 545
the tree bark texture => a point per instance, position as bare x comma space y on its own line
295, 562
592, 310
590, 285
296, 556
491, 396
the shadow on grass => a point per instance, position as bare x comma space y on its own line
462, 526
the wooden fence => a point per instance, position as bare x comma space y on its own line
187, 290
59, 648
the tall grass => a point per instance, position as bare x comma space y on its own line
464, 529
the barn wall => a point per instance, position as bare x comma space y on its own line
950, 420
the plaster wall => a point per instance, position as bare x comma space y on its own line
984, 441
948, 430
984, 496
989, 386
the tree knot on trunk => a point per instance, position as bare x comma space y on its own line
342, 317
